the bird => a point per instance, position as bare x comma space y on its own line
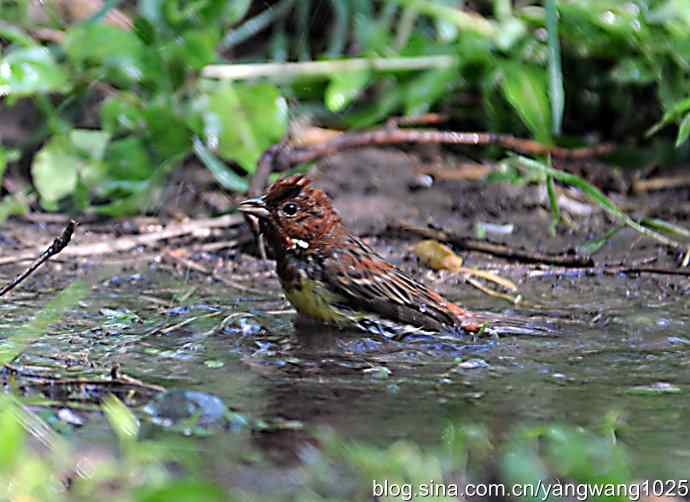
331, 276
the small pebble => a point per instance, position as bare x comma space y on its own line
473, 364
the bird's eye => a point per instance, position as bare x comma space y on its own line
290, 209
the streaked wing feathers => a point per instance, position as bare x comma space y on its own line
366, 281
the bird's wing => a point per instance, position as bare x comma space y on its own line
367, 282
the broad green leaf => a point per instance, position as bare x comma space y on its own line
16, 35
167, 131
54, 171
509, 33
524, 87
387, 102
65, 160
242, 120
90, 143
28, 71
128, 159
121, 113
118, 52
344, 88
195, 48
423, 91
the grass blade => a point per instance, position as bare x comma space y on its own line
594, 194
556, 88
553, 203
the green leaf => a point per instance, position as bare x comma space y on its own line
242, 120
666, 227
683, 130
121, 113
345, 87
90, 143
524, 87
11, 434
593, 246
118, 52
387, 102
65, 160
553, 205
678, 109
24, 72
11, 205
237, 9
195, 48
510, 31
54, 171
128, 159
556, 89
423, 91
521, 465
121, 419
167, 130
3, 161
632, 70
223, 175
182, 491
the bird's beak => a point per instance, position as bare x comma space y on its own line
255, 207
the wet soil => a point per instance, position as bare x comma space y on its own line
616, 343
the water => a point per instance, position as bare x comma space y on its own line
616, 346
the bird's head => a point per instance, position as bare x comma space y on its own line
295, 216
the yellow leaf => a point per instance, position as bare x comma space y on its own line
438, 256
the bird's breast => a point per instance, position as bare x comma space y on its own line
301, 281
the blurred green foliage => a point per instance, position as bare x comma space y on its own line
38, 464
124, 107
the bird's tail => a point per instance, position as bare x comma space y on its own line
490, 323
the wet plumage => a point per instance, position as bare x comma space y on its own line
332, 276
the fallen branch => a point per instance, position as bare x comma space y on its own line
660, 183
56, 247
571, 262
283, 156
501, 250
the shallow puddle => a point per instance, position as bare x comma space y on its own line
615, 345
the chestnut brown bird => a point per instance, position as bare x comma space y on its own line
330, 275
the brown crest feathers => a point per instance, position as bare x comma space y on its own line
286, 188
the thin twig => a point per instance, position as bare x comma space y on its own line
148, 239
56, 247
492, 248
